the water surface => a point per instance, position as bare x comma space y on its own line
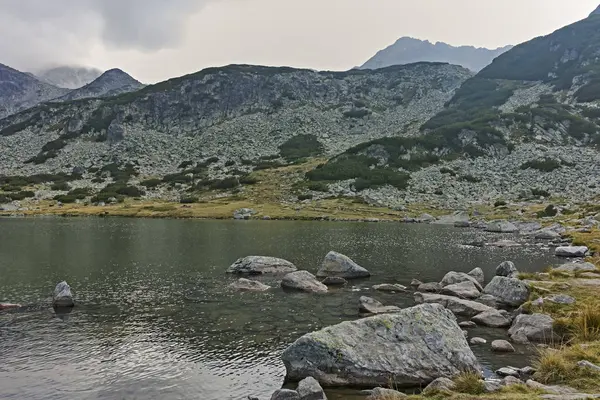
154, 318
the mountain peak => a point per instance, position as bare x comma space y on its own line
69, 77
596, 11
111, 83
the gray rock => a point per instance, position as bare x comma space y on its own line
576, 267
303, 281
491, 318
369, 305
477, 273
478, 241
415, 283
561, 299
467, 324
587, 364
508, 291
464, 290
257, 265
507, 269
488, 300
62, 296
414, 347
546, 234
554, 389
334, 281
511, 380
501, 227
385, 394
452, 278
466, 308
243, 284
504, 243
502, 346
508, 371
285, 394
528, 227
426, 218
478, 340
431, 287
534, 327
386, 287
309, 389
492, 385
339, 265
527, 371
438, 385
462, 224
571, 251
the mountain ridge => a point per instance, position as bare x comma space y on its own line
68, 77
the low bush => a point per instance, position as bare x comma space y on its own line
449, 171
470, 178
188, 200
469, 383
66, 199
223, 184
230, 163
500, 203
185, 164
80, 193
305, 197
544, 165
151, 183
248, 180
540, 193
301, 146
318, 187
17, 196
4, 199
357, 113
63, 186
549, 211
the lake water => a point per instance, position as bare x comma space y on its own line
154, 318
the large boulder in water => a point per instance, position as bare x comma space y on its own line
369, 305
339, 265
507, 269
411, 348
257, 265
533, 328
508, 291
571, 251
62, 296
465, 308
452, 278
246, 285
303, 281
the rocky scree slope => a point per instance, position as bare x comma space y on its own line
68, 77
408, 50
111, 83
19, 91
237, 113
525, 127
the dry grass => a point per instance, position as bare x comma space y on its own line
469, 383
559, 366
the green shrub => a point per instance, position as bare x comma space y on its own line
97, 180
438, 192
227, 183
230, 163
130, 191
318, 187
248, 180
185, 164
61, 186
449, 171
4, 199
549, 211
54, 145
80, 193
105, 196
544, 165
42, 157
470, 178
151, 183
99, 121
540, 193
177, 178
357, 113
65, 199
16, 196
301, 146
305, 197
500, 203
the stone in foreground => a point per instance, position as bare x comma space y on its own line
535, 327
466, 308
571, 251
8, 306
285, 394
508, 291
440, 384
576, 267
303, 281
385, 394
258, 265
411, 348
430, 287
502, 346
309, 389
246, 285
464, 290
492, 318
369, 305
453, 277
62, 296
339, 265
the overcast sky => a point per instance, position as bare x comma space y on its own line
154, 40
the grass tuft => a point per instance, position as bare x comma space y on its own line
469, 383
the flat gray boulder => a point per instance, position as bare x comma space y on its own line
258, 265
507, 269
464, 290
477, 273
246, 285
411, 348
571, 251
508, 291
369, 305
385, 394
62, 296
303, 281
576, 267
492, 318
502, 346
334, 281
501, 227
453, 277
465, 308
339, 265
536, 328
387, 287
285, 394
430, 287
561, 299
310, 389
547, 234
440, 384
488, 300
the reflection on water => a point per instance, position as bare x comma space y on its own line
154, 319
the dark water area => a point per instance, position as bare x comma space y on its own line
155, 320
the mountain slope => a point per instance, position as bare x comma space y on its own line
69, 77
409, 50
111, 83
19, 91
235, 113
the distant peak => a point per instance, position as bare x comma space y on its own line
596, 11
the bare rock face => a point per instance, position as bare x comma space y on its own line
507, 269
341, 266
257, 265
414, 347
303, 281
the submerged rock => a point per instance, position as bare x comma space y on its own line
571, 251
303, 281
243, 284
466, 308
62, 296
508, 291
534, 328
339, 265
386, 287
257, 265
414, 347
334, 281
369, 305
478, 340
